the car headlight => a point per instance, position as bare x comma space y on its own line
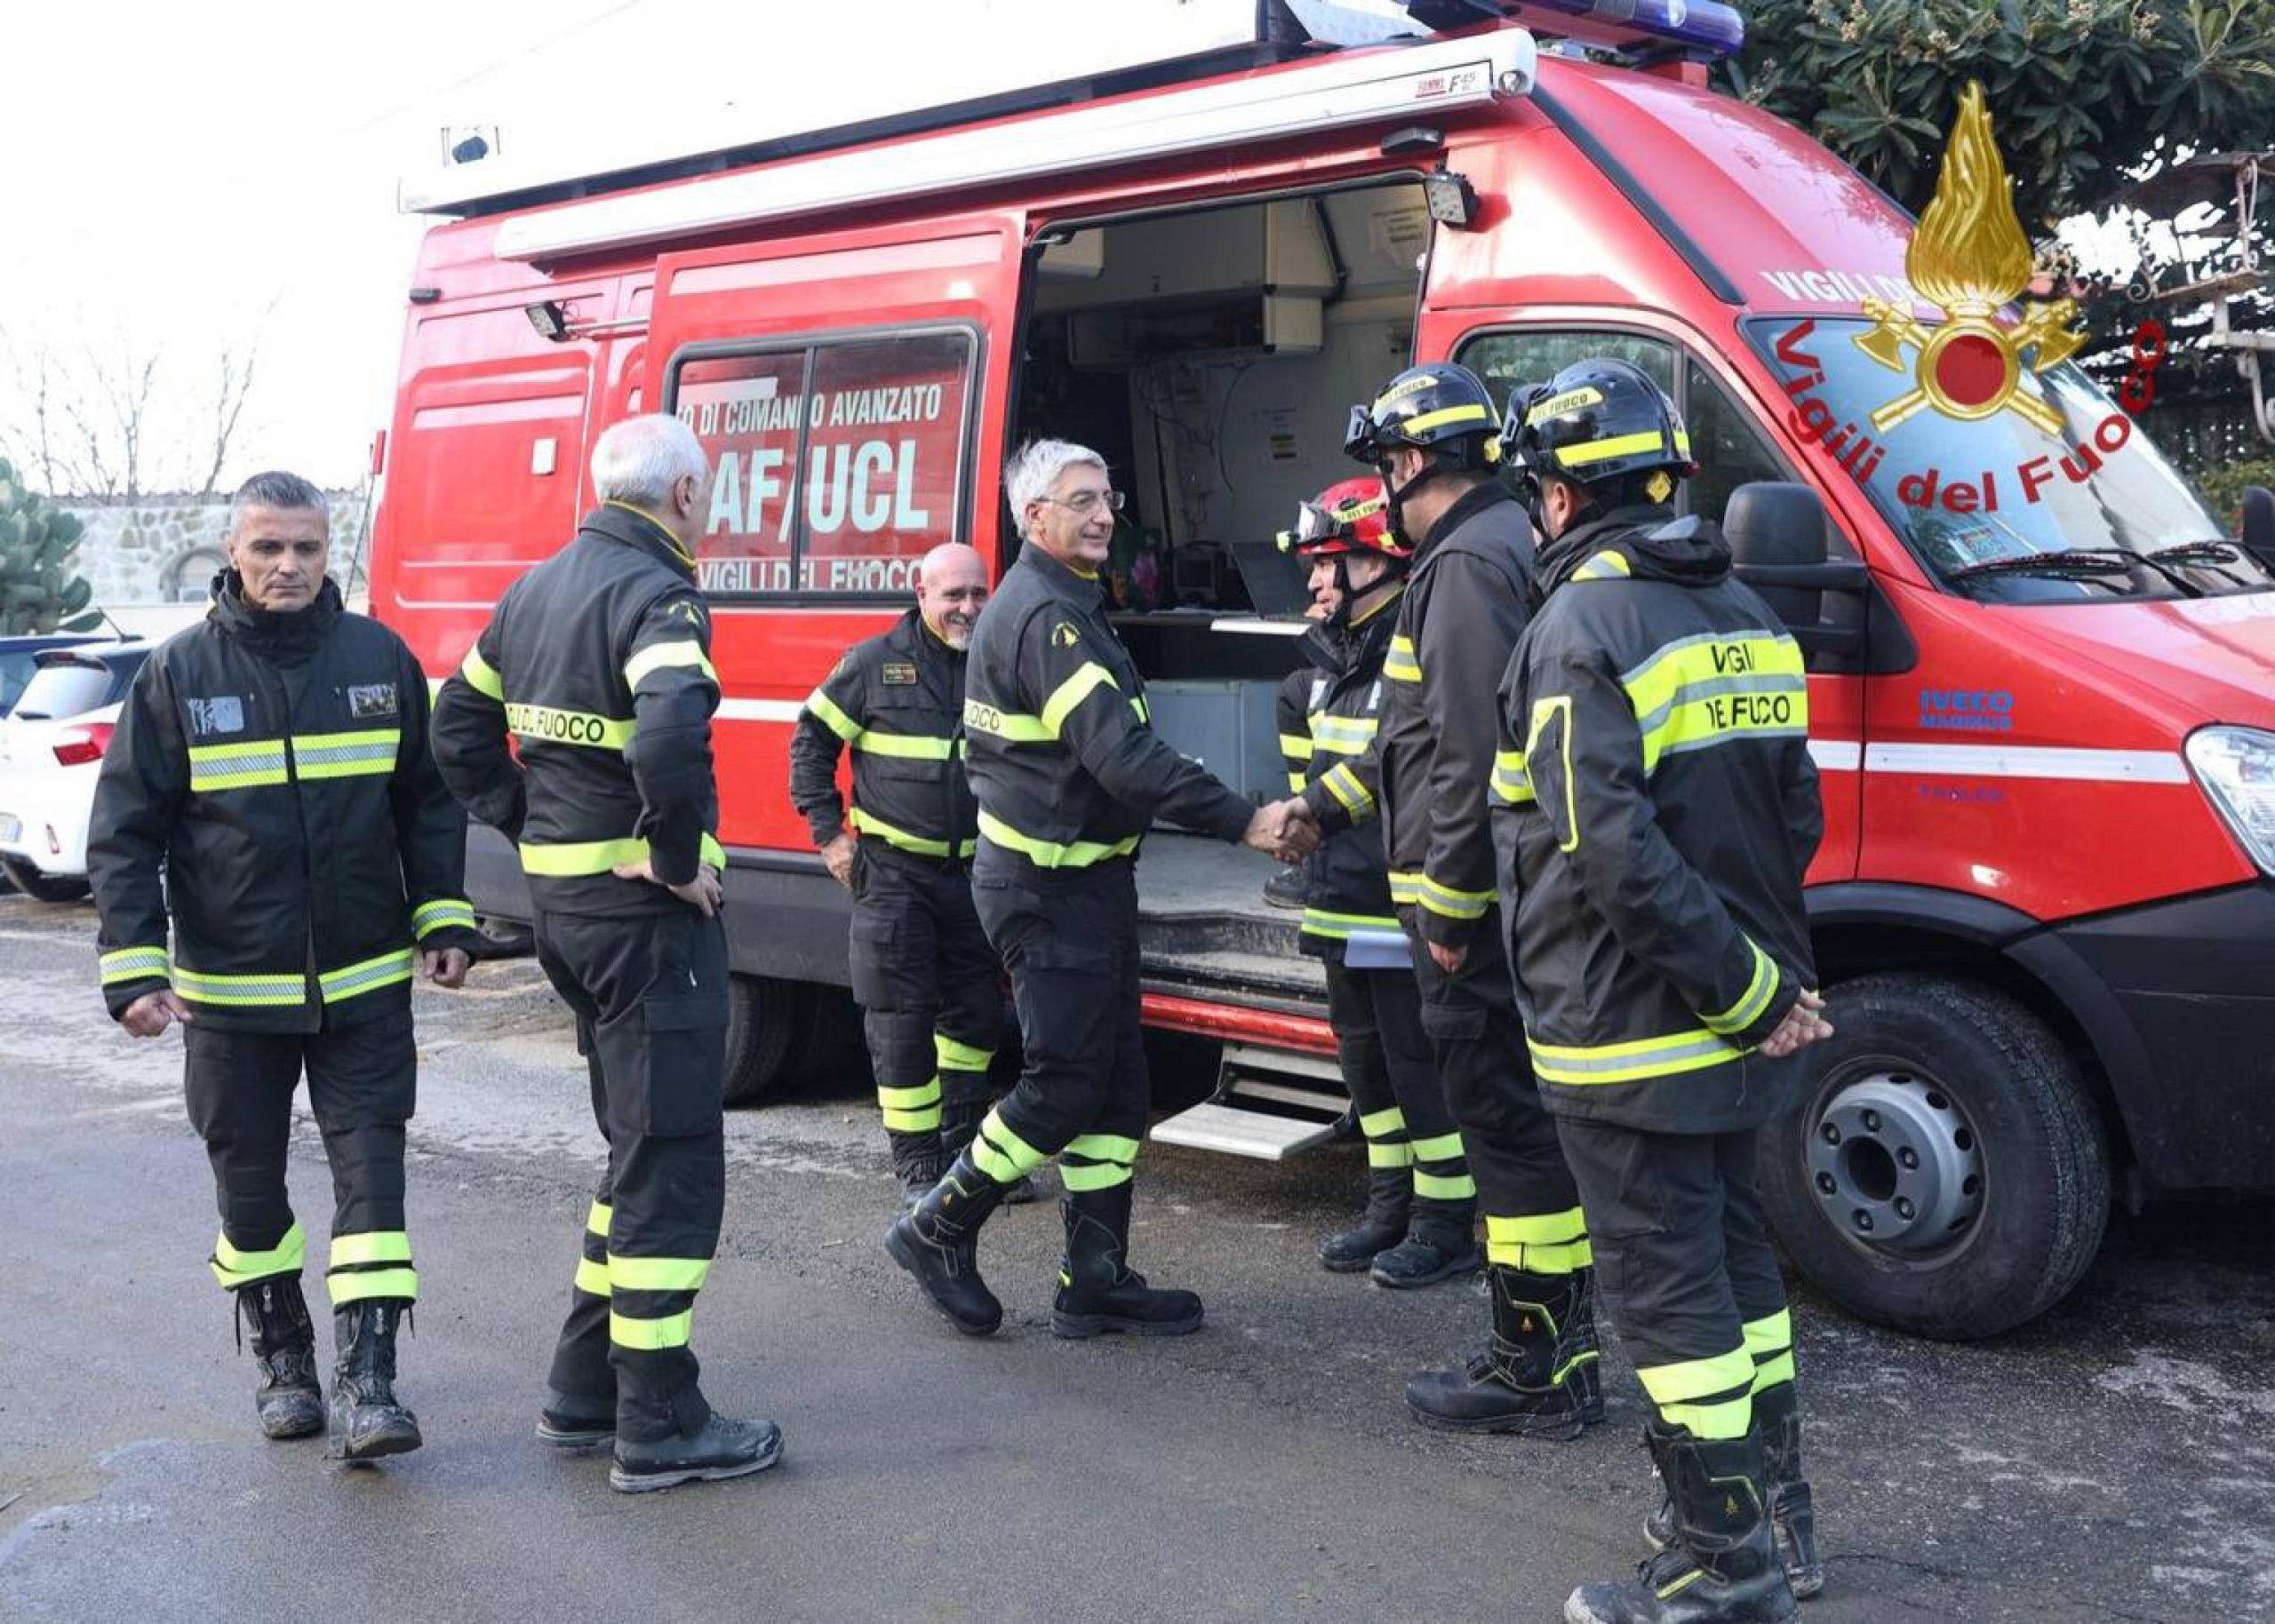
2236, 766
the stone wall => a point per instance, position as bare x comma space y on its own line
162, 549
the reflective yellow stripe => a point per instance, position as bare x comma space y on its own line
1009, 726
1344, 736
1377, 1123
359, 1285
370, 753
1072, 692
1512, 785
592, 1278
1398, 1153
599, 1218
1538, 1229
479, 676
658, 1274
1053, 854
233, 1268
1295, 746
649, 1335
237, 767
373, 1247
1102, 1147
925, 1119
682, 651
833, 718
1345, 786
956, 1056
1338, 926
891, 835
1605, 566
1708, 689
1769, 1343
1677, 1389
543, 724
1404, 888
571, 859
1002, 1154
1556, 707
1470, 413
1097, 1161
1578, 1065
1756, 997
442, 914
1441, 1187
1453, 904
132, 964
1439, 1147
355, 980
1619, 445
1402, 664
909, 1099
911, 746
1296, 782
244, 991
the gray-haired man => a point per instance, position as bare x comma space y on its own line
597, 663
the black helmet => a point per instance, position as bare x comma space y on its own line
1599, 419
1442, 409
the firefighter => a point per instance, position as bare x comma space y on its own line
1420, 1223
1656, 810
269, 789
923, 972
596, 665
1285, 888
1433, 436
1069, 773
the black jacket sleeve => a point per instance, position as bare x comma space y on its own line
467, 740
668, 666
1093, 718
143, 781
833, 717
1584, 756
430, 826
1475, 620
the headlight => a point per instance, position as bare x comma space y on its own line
2236, 766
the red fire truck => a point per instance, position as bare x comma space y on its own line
2043, 682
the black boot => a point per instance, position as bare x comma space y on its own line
1792, 1514
1440, 1243
288, 1400
366, 1422
1098, 1291
960, 1122
1723, 1567
574, 1420
936, 1242
1522, 1381
1389, 1192
917, 1162
718, 1449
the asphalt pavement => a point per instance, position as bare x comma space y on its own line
2114, 1461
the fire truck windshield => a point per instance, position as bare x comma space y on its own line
2042, 466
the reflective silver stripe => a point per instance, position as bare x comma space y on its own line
1751, 682
372, 973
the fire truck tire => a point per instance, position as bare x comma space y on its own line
766, 1021
39, 886
1948, 1175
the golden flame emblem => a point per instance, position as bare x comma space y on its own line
1969, 256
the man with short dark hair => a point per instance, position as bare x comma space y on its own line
269, 789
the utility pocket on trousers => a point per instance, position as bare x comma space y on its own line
685, 1042
871, 945
1452, 1022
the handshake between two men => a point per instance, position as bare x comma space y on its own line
1285, 829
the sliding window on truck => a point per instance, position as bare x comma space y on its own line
836, 463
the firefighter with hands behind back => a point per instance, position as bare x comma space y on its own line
1420, 1222
1433, 436
925, 978
596, 666
1656, 810
1069, 774
269, 793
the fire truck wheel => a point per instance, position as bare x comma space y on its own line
764, 1020
1948, 1175
39, 886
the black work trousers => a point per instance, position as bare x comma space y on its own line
650, 994
926, 980
1683, 1259
1532, 1209
1392, 1077
1069, 939
363, 1085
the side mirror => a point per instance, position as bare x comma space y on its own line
2258, 537
1774, 528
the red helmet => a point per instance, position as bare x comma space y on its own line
1349, 516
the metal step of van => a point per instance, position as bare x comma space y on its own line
1269, 1104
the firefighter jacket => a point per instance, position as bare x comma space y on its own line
1655, 811
275, 768
1347, 881
598, 664
1468, 599
1062, 753
898, 701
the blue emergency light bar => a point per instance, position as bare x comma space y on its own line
1705, 25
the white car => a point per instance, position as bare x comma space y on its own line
51, 747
